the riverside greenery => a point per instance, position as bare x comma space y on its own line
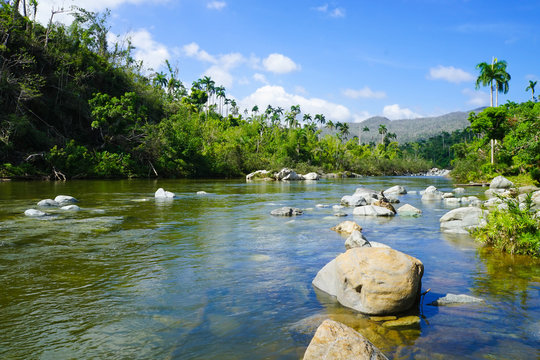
74, 107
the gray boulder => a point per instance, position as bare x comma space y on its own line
70, 208
431, 194
500, 182
48, 203
34, 213
65, 200
463, 219
395, 190
336, 341
353, 200
286, 211
372, 280
372, 210
288, 175
311, 176
356, 239
259, 174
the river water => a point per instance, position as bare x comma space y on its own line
216, 276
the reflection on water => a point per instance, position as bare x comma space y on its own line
217, 277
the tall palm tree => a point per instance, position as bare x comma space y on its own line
344, 131
320, 119
330, 125
220, 94
382, 130
531, 86
495, 76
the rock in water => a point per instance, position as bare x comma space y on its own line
162, 194
34, 213
356, 239
336, 341
407, 321
452, 299
347, 227
70, 208
48, 202
372, 210
463, 219
431, 193
286, 211
384, 203
500, 182
311, 176
397, 190
372, 280
409, 210
65, 199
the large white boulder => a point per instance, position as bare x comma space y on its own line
34, 213
372, 210
259, 174
372, 280
336, 341
353, 200
500, 182
65, 200
311, 176
48, 203
395, 190
288, 174
463, 219
162, 194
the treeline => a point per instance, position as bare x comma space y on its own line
507, 143
75, 107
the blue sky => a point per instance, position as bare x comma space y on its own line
346, 59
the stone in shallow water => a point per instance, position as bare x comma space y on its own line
160, 194
409, 210
287, 211
34, 213
407, 321
47, 202
347, 227
70, 208
452, 299
334, 340
65, 199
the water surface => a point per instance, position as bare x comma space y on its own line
216, 277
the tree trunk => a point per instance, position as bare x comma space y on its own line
492, 151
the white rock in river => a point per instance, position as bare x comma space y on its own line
450, 299
65, 199
353, 200
34, 213
431, 193
463, 219
372, 210
459, 190
201, 193
356, 239
409, 210
311, 176
336, 341
162, 194
70, 208
48, 202
398, 190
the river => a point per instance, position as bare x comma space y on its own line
216, 276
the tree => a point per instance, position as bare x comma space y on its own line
531, 86
491, 122
365, 129
382, 130
320, 119
495, 76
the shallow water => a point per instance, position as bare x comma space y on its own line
217, 277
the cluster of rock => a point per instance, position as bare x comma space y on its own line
63, 202
164, 194
434, 172
284, 174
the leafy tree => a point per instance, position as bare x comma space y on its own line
495, 76
382, 130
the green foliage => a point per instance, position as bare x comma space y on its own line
491, 122
72, 160
515, 230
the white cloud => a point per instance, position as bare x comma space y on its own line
322, 8
279, 64
220, 75
337, 13
450, 74
395, 112
365, 92
152, 53
216, 5
193, 50
300, 90
476, 98
260, 78
277, 96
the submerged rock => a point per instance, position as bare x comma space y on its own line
336, 341
375, 281
407, 321
201, 193
451, 299
70, 208
286, 211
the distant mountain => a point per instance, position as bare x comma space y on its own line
409, 130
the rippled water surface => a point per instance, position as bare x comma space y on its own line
216, 276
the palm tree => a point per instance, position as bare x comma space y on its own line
531, 86
160, 79
330, 125
255, 110
320, 119
365, 129
382, 130
495, 76
344, 131
220, 94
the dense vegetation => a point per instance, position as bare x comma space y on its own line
75, 107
